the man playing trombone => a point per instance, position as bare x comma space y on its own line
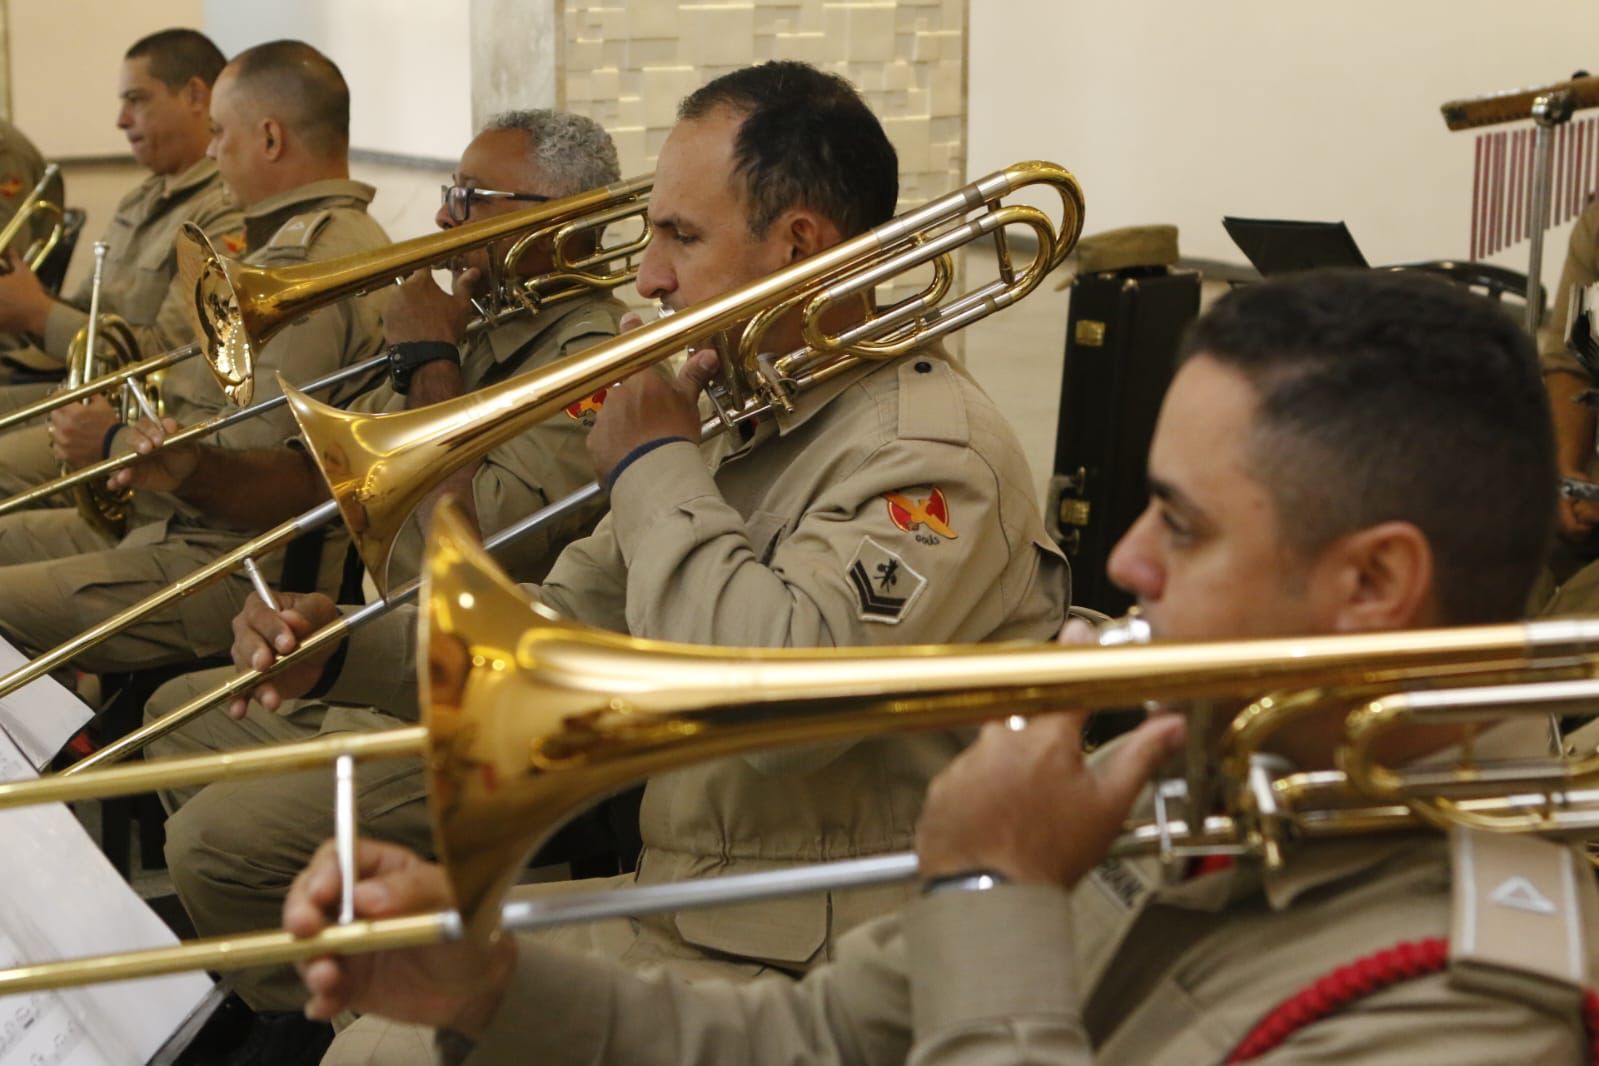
164, 98
1294, 492
280, 128
216, 857
891, 504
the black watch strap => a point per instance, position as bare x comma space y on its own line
406, 356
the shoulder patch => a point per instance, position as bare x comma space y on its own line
585, 409
925, 509
884, 584
931, 406
1516, 908
300, 231
10, 186
234, 243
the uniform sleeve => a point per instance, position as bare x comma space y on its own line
379, 668
588, 582
992, 980
565, 1008
858, 569
1581, 269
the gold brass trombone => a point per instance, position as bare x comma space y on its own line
527, 719
43, 200
381, 466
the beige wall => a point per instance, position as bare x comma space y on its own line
64, 59
1185, 112
627, 64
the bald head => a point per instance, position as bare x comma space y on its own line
299, 87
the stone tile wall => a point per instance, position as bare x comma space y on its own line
626, 64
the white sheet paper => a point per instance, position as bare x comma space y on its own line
41, 715
61, 898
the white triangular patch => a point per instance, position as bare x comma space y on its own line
1519, 893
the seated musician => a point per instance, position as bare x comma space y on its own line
280, 120
901, 470
164, 97
21, 168
230, 871
1295, 491
1571, 585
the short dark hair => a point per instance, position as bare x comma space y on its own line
807, 139
1388, 397
302, 88
178, 55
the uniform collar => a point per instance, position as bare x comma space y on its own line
263, 219
198, 174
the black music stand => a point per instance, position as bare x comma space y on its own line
1281, 246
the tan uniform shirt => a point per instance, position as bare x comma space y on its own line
536, 467
893, 507
1122, 972
317, 221
141, 261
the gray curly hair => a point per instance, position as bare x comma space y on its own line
572, 153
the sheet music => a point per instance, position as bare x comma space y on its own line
63, 899
41, 715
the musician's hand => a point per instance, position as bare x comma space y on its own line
163, 471
1577, 518
261, 635
24, 305
450, 986
1027, 804
418, 310
77, 431
648, 407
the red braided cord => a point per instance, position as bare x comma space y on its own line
1360, 979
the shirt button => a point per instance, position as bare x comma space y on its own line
924, 367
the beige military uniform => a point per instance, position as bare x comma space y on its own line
140, 270
21, 167
232, 873
1125, 971
893, 507
61, 577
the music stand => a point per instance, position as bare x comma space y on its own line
1282, 246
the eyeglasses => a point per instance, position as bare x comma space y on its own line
458, 199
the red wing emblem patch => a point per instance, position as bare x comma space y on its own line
908, 513
11, 186
233, 243
586, 406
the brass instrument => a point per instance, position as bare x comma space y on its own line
238, 307
381, 466
43, 200
232, 322
528, 718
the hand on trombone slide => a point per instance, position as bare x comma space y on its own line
261, 634
454, 986
647, 407
164, 471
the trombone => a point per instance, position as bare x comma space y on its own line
528, 718
380, 467
238, 307
39, 201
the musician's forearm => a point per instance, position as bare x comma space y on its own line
254, 489
1574, 422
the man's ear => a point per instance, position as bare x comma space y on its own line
197, 94
806, 232
1378, 578
272, 143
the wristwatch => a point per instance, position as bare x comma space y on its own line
407, 356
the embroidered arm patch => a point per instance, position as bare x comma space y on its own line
885, 585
